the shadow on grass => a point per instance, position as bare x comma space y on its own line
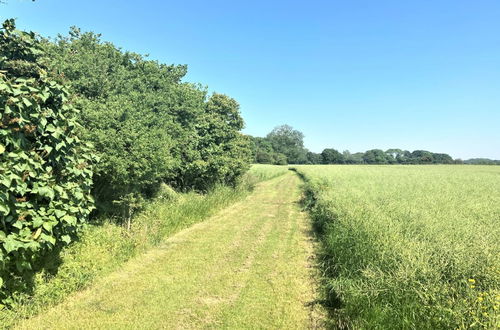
21, 285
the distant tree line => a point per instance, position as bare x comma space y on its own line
285, 145
481, 161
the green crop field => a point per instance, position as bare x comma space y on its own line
408, 246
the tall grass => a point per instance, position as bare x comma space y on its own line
408, 247
105, 246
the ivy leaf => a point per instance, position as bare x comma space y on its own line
27, 102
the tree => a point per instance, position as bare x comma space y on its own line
290, 142
422, 157
375, 156
331, 156
280, 159
262, 150
393, 155
224, 153
356, 158
314, 158
146, 124
442, 158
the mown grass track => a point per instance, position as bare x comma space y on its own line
247, 267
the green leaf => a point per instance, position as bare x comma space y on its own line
6, 181
66, 239
46, 192
27, 102
47, 225
60, 145
4, 208
11, 244
60, 213
48, 149
2, 148
48, 238
70, 219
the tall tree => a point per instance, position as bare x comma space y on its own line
332, 156
375, 156
290, 142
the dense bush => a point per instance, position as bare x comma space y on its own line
45, 169
146, 125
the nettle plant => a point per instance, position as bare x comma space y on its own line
45, 169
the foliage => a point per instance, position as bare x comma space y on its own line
482, 161
314, 158
331, 156
45, 169
221, 153
283, 145
289, 142
146, 125
408, 247
375, 156
125, 113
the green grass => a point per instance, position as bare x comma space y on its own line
105, 247
261, 172
247, 267
408, 247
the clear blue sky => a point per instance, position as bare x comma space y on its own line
355, 75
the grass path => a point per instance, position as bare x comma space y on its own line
247, 267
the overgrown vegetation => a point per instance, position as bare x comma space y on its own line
45, 169
408, 247
147, 128
147, 125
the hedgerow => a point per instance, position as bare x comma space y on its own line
45, 169
146, 127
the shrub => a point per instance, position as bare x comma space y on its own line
147, 126
45, 169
